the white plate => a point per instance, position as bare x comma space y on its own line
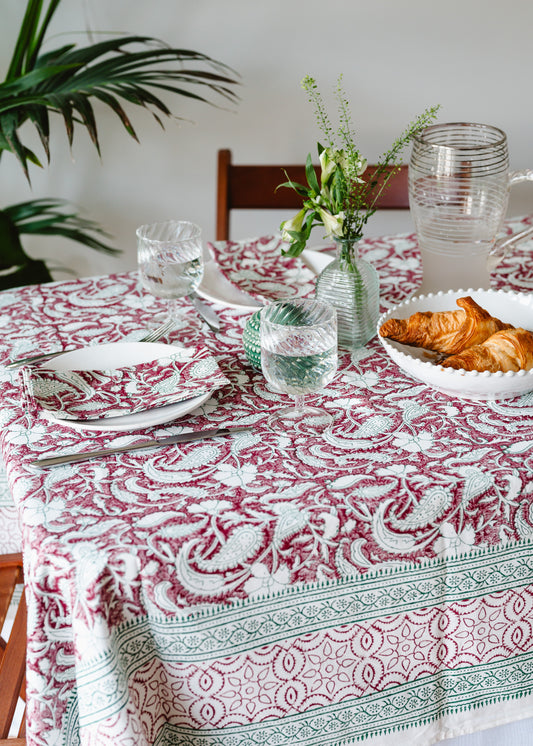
512, 308
218, 289
116, 355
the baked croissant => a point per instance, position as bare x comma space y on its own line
449, 332
507, 350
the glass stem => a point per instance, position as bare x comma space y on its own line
299, 401
173, 309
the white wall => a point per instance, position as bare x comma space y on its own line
398, 56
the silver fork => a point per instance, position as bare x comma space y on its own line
152, 336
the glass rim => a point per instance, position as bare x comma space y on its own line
142, 230
300, 303
421, 136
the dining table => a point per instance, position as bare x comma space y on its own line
372, 584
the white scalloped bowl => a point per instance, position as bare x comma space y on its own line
512, 308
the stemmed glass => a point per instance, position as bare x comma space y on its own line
298, 357
170, 260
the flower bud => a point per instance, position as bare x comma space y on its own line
332, 223
294, 224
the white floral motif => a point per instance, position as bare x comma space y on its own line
236, 477
264, 583
451, 543
396, 470
421, 442
211, 507
36, 514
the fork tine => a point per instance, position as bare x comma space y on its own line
156, 334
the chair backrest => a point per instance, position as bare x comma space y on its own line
254, 188
13, 650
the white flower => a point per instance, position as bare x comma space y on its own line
332, 223
328, 164
332, 159
295, 224
360, 167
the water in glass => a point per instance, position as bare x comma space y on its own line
298, 357
170, 260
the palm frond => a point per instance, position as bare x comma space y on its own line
50, 217
132, 69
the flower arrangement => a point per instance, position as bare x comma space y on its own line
342, 201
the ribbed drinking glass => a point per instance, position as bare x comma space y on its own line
299, 357
170, 260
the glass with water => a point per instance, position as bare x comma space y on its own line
170, 260
299, 357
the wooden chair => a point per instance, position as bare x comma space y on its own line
12, 651
254, 188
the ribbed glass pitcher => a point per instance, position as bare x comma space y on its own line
459, 182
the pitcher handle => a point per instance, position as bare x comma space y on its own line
502, 246
515, 177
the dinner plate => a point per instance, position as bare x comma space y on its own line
116, 355
216, 288
509, 307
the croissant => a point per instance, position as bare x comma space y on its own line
507, 350
449, 332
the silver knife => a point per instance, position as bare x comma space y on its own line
70, 458
35, 359
206, 312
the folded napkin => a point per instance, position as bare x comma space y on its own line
257, 267
92, 394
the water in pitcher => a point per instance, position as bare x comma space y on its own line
455, 245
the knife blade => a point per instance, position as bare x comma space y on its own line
70, 458
206, 312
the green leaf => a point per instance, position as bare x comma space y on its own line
11, 251
310, 175
303, 191
56, 217
34, 272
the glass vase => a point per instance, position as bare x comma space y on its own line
351, 285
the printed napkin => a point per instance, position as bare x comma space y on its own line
258, 267
92, 394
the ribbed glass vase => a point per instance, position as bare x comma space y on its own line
351, 285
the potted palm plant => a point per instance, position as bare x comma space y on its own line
126, 70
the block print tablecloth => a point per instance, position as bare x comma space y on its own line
259, 590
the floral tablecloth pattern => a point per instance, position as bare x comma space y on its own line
257, 589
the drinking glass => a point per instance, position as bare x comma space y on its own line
459, 183
298, 357
170, 260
